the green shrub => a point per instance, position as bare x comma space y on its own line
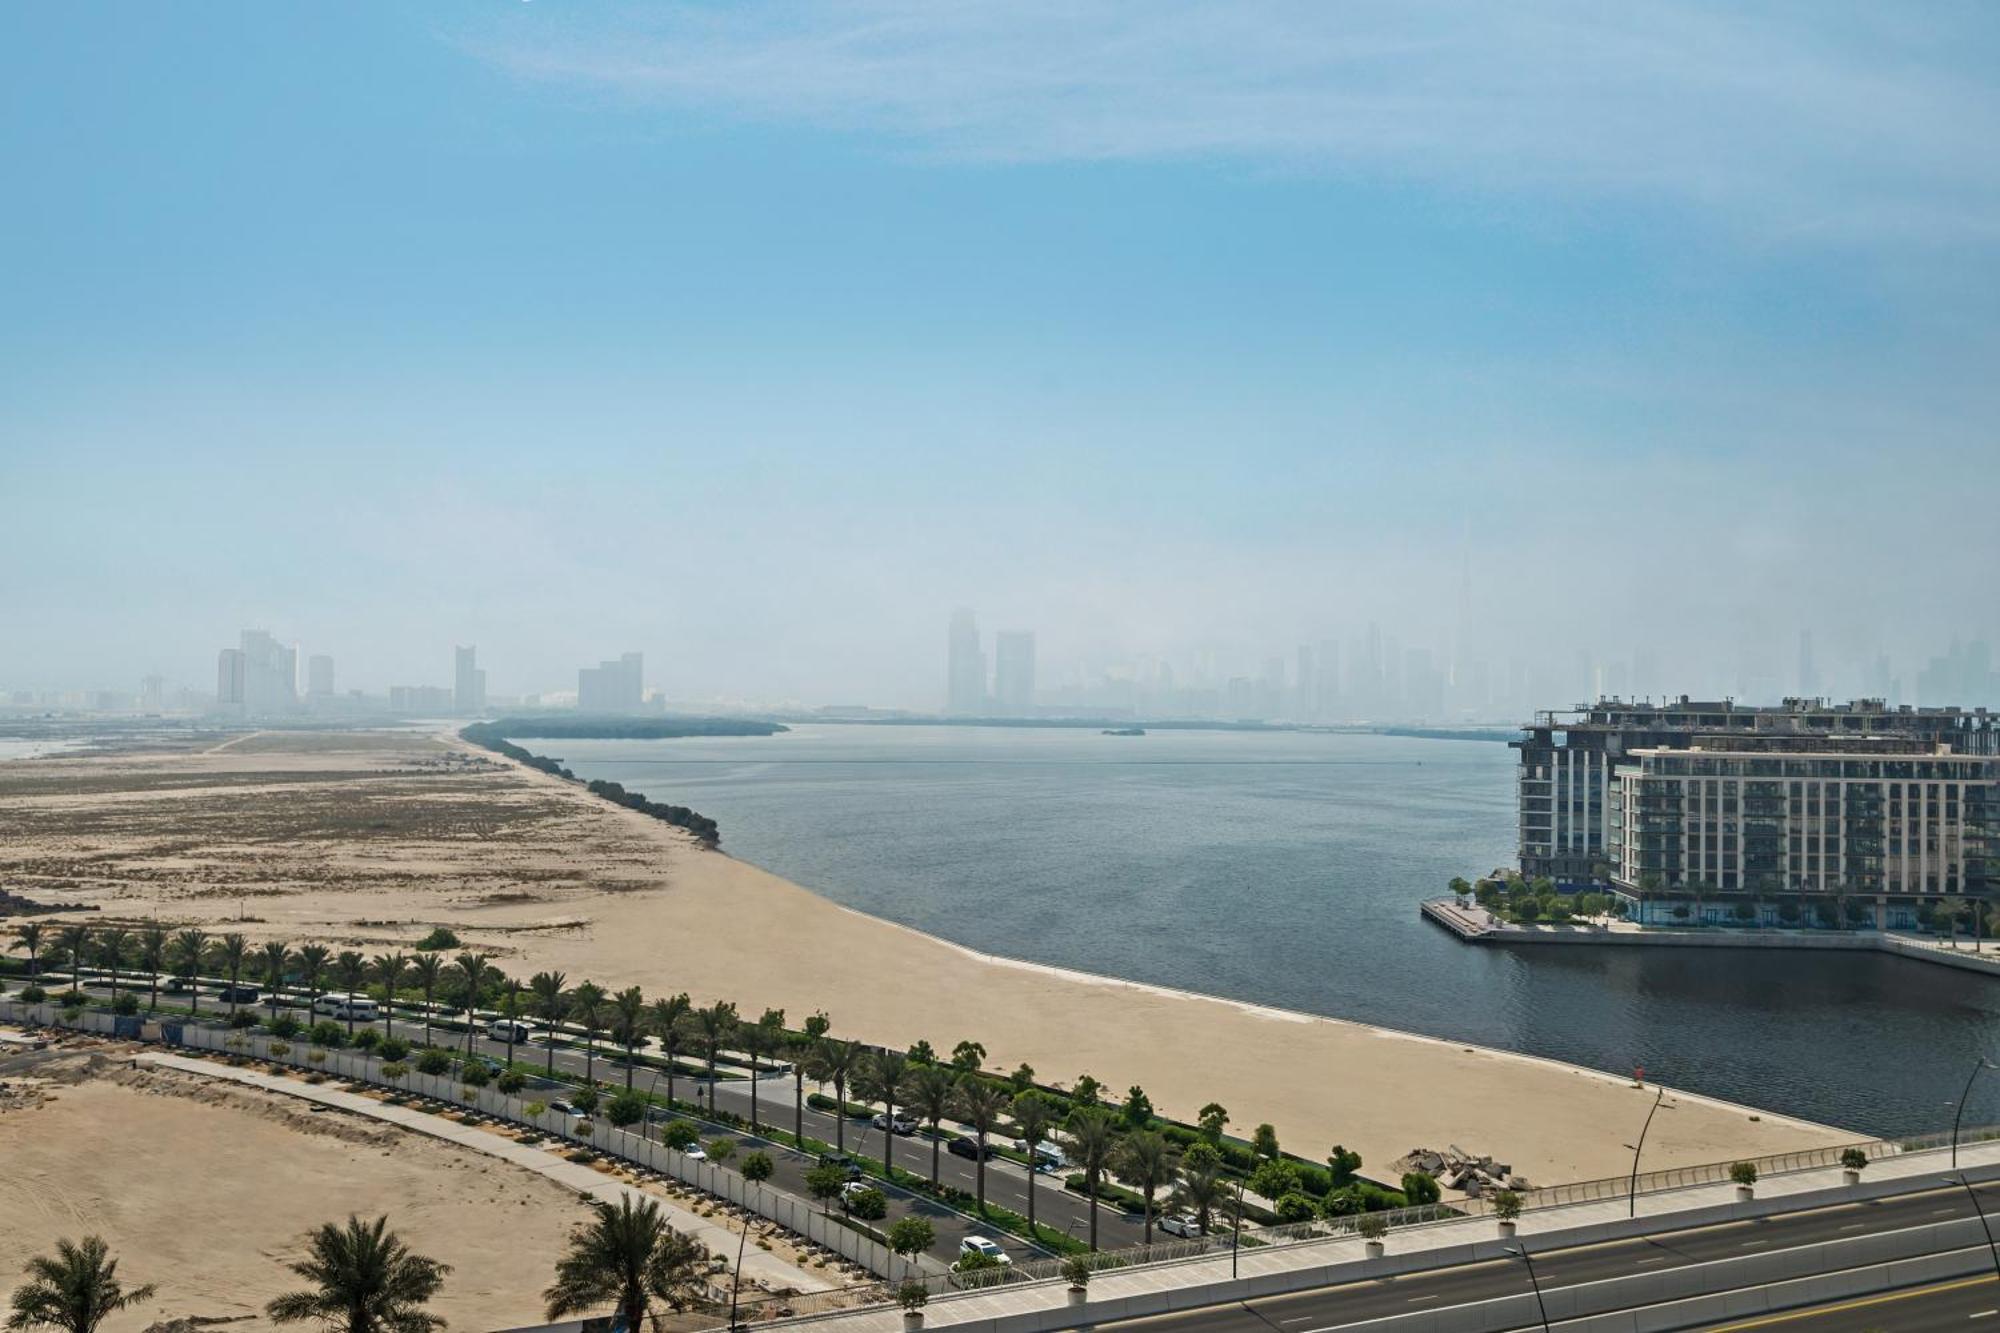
284, 1025
316, 1056
1373, 1226
1274, 1179
680, 1135
243, 1018
913, 1295
1506, 1205
1743, 1173
1854, 1159
328, 1033
972, 1262
1078, 1270
33, 995
909, 1235
394, 1071
434, 1063
279, 1049
126, 1004
439, 938
868, 1205
1294, 1207
475, 1075
367, 1039
757, 1167
1420, 1187
534, 1110
511, 1082
721, 1150
393, 1048
585, 1100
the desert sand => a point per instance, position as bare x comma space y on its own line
370, 839
208, 1191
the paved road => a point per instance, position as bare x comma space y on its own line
1959, 1305
1006, 1181
1336, 1307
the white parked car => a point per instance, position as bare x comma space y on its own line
1182, 1224
854, 1187
499, 1029
902, 1124
982, 1245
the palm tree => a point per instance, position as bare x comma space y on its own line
666, 1018
28, 938
111, 944
761, 1040
153, 957
880, 1079
427, 968
1034, 1117
364, 1280
73, 940
628, 1025
834, 1061
190, 947
802, 1047
271, 960
313, 959
1092, 1140
1202, 1187
626, 1257
350, 969
510, 1003
980, 1103
550, 1005
74, 1291
235, 948
1146, 1159
476, 971
389, 969
930, 1091
714, 1026
586, 1003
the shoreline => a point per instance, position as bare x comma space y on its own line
270, 837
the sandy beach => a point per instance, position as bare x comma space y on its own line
370, 839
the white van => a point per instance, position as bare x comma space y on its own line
357, 1007
507, 1029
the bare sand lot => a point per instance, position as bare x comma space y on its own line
208, 1190
370, 839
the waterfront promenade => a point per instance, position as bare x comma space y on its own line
1476, 925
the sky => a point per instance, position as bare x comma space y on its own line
758, 336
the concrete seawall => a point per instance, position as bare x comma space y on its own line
1474, 926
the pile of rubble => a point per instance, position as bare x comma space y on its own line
1456, 1169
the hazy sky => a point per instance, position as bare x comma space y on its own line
757, 336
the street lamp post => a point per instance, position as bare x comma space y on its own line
1973, 1194
1963, 1097
1632, 1187
1521, 1251
1236, 1231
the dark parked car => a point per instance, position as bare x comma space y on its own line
239, 994
965, 1147
844, 1162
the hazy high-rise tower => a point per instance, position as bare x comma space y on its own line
468, 694
612, 687
1014, 672
319, 676
270, 674
965, 666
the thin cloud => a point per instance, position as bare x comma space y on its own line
1814, 120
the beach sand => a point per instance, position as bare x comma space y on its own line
368, 840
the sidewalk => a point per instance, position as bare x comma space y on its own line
1556, 1226
759, 1265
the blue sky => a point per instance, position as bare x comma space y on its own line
759, 335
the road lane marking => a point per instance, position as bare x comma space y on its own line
1415, 1299
1854, 1226
1750, 1243
1864, 1303
1656, 1259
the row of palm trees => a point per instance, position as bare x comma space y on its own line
361, 1278
917, 1082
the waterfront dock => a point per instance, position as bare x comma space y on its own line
1476, 925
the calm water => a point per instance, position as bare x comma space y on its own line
1285, 869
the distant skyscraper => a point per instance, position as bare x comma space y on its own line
229, 680
965, 667
468, 694
1303, 702
269, 674
319, 676
1014, 672
153, 693
612, 687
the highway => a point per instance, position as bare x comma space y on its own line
1955, 1305
1336, 1307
